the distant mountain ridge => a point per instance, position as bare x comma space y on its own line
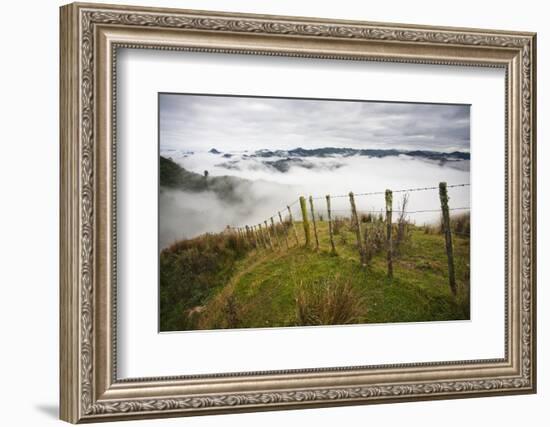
283, 160
367, 152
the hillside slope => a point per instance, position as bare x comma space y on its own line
259, 287
174, 176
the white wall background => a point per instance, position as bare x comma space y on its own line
29, 170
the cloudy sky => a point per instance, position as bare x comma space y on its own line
198, 123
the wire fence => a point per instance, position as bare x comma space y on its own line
405, 212
284, 210
280, 230
378, 193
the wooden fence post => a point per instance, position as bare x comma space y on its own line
355, 218
268, 235
389, 238
285, 231
305, 220
275, 233
314, 223
293, 225
330, 231
444, 198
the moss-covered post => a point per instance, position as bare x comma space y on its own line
444, 198
330, 230
293, 225
270, 242
285, 231
305, 220
314, 223
355, 219
275, 233
389, 238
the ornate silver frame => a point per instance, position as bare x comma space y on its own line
90, 36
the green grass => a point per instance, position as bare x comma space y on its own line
265, 288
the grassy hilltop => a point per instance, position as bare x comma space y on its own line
221, 281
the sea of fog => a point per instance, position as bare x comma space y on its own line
187, 214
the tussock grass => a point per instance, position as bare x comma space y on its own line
374, 235
460, 223
339, 224
329, 301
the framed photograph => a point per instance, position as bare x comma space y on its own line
266, 212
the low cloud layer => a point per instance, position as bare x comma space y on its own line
185, 214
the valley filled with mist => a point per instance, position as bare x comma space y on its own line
264, 182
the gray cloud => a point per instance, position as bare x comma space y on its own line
196, 122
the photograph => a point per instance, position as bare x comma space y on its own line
294, 212
269, 210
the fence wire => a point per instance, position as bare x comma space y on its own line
284, 211
397, 211
403, 190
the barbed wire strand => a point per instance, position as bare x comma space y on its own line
373, 193
359, 211
403, 190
